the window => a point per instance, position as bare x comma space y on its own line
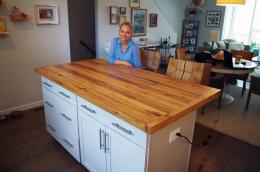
241, 22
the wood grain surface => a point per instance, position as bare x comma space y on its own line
145, 99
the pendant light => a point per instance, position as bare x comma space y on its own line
230, 2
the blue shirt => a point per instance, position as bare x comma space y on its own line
131, 55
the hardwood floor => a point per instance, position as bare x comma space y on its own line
222, 154
26, 146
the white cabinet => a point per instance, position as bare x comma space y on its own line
61, 116
103, 149
124, 155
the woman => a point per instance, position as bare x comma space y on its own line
123, 50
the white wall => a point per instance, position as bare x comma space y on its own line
106, 32
28, 46
174, 12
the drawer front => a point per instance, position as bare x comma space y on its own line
92, 110
128, 131
58, 90
123, 128
50, 112
71, 145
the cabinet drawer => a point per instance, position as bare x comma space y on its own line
91, 109
128, 131
70, 143
123, 128
58, 90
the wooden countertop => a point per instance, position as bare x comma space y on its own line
145, 99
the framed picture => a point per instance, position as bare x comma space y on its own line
138, 19
213, 18
113, 15
153, 20
122, 10
122, 19
2, 25
134, 3
46, 14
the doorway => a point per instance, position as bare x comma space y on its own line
82, 29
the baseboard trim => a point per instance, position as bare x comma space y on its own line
22, 107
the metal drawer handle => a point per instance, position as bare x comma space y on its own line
63, 94
101, 144
67, 142
66, 117
48, 85
122, 128
88, 109
53, 129
49, 104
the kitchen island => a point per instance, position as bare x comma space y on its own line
117, 118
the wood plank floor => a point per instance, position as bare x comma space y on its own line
26, 146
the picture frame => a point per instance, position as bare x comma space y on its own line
213, 18
134, 3
122, 10
122, 19
139, 21
2, 25
46, 14
153, 20
113, 15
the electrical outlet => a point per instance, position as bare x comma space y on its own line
173, 134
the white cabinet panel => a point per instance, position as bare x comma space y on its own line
124, 155
92, 143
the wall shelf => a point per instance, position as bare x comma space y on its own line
3, 34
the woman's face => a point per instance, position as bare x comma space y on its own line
125, 33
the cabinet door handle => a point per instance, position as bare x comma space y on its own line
53, 129
49, 104
88, 109
101, 144
106, 143
66, 117
48, 85
129, 132
64, 94
67, 142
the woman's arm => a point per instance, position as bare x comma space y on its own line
123, 63
112, 52
136, 57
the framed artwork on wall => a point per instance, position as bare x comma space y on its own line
153, 20
138, 20
46, 14
2, 25
113, 15
134, 3
213, 18
122, 10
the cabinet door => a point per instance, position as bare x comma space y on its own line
92, 143
123, 155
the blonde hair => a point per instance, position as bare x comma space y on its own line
126, 24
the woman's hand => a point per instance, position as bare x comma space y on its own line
123, 63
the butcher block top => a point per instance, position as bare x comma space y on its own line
144, 99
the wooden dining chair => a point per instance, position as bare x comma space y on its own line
189, 70
254, 88
150, 59
180, 53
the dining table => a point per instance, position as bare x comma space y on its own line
244, 67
